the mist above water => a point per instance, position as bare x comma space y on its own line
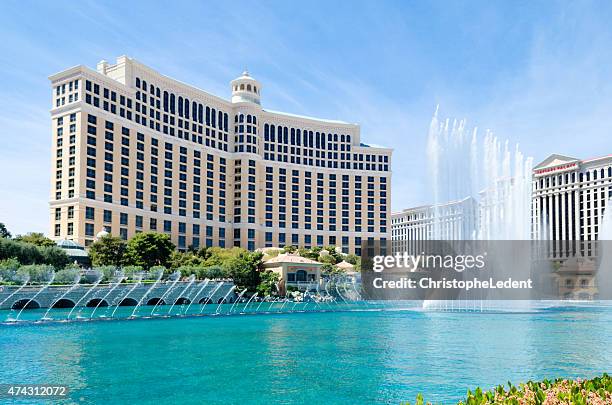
465, 163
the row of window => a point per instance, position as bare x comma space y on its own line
175, 122
570, 178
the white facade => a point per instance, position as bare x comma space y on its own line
569, 199
457, 221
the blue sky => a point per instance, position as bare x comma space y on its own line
536, 72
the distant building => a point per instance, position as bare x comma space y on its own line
295, 271
568, 203
457, 221
76, 253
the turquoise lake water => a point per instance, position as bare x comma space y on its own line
333, 357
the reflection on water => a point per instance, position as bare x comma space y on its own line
349, 357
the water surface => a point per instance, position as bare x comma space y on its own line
343, 357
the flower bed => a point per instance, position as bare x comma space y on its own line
596, 391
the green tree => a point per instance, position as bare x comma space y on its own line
243, 269
107, 272
149, 249
38, 273
54, 256
8, 270
187, 271
205, 252
26, 253
289, 249
216, 256
180, 259
268, 283
210, 272
67, 276
35, 238
329, 269
4, 233
354, 260
326, 258
337, 257
131, 272
312, 254
107, 251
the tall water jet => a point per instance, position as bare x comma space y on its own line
190, 297
223, 300
158, 278
119, 278
204, 284
237, 300
98, 278
212, 294
493, 176
338, 291
175, 277
189, 284
25, 278
260, 303
248, 302
138, 279
44, 287
75, 284
492, 173
273, 301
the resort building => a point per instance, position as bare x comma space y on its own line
134, 151
295, 271
410, 227
569, 199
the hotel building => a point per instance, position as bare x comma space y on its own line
412, 226
135, 151
569, 199
568, 202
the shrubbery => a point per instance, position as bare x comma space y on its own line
37, 273
560, 391
67, 276
27, 253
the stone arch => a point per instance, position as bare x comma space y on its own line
221, 301
205, 300
64, 303
182, 301
128, 302
156, 301
25, 303
96, 302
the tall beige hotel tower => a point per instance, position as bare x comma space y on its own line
136, 151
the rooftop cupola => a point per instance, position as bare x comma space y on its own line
245, 89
